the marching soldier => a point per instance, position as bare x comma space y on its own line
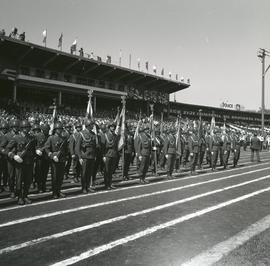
208, 152
73, 140
56, 148
170, 152
202, 150
255, 146
110, 155
226, 149
214, 147
42, 162
186, 148
22, 148
193, 143
86, 151
162, 158
128, 150
144, 151
236, 147
68, 132
3, 158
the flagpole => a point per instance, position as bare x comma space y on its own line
123, 149
154, 138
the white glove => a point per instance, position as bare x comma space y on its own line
140, 158
191, 154
104, 159
55, 158
154, 148
166, 156
39, 152
81, 161
212, 152
73, 156
225, 152
18, 159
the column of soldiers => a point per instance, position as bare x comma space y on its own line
27, 152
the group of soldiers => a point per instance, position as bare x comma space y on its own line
28, 151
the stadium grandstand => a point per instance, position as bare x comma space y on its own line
32, 76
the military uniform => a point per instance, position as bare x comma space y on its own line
56, 148
255, 147
226, 149
3, 157
236, 148
214, 146
202, 150
186, 150
128, 152
86, 151
170, 153
193, 143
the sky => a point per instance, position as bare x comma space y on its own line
212, 42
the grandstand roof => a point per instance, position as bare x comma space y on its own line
16, 52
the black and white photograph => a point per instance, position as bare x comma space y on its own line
134, 132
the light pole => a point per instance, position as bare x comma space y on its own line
262, 54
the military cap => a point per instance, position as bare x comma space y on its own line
89, 122
4, 125
25, 123
58, 125
36, 127
78, 124
14, 123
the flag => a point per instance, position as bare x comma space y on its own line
146, 65
213, 125
73, 47
154, 69
178, 137
44, 34
54, 119
89, 110
162, 72
60, 41
122, 132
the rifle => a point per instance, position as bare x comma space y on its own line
61, 149
27, 147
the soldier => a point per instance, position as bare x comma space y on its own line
162, 158
208, 152
255, 146
42, 162
68, 132
73, 140
110, 155
170, 152
56, 148
226, 148
86, 151
193, 143
186, 148
202, 150
22, 147
129, 151
214, 146
14, 126
3, 158
144, 151
236, 147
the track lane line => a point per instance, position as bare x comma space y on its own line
123, 217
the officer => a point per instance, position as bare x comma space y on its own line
226, 148
41, 162
162, 158
86, 152
255, 147
3, 158
186, 148
207, 149
73, 140
22, 146
215, 146
157, 146
236, 148
144, 151
136, 146
68, 132
193, 144
56, 148
202, 150
170, 151
14, 130
128, 152
110, 155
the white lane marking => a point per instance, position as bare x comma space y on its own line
216, 253
97, 250
138, 186
123, 217
56, 213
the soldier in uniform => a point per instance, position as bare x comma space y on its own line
14, 126
255, 146
202, 150
86, 151
144, 151
129, 151
73, 140
3, 158
68, 132
226, 149
186, 148
41, 162
193, 143
110, 155
162, 158
22, 146
56, 148
214, 147
236, 147
208, 152
170, 152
